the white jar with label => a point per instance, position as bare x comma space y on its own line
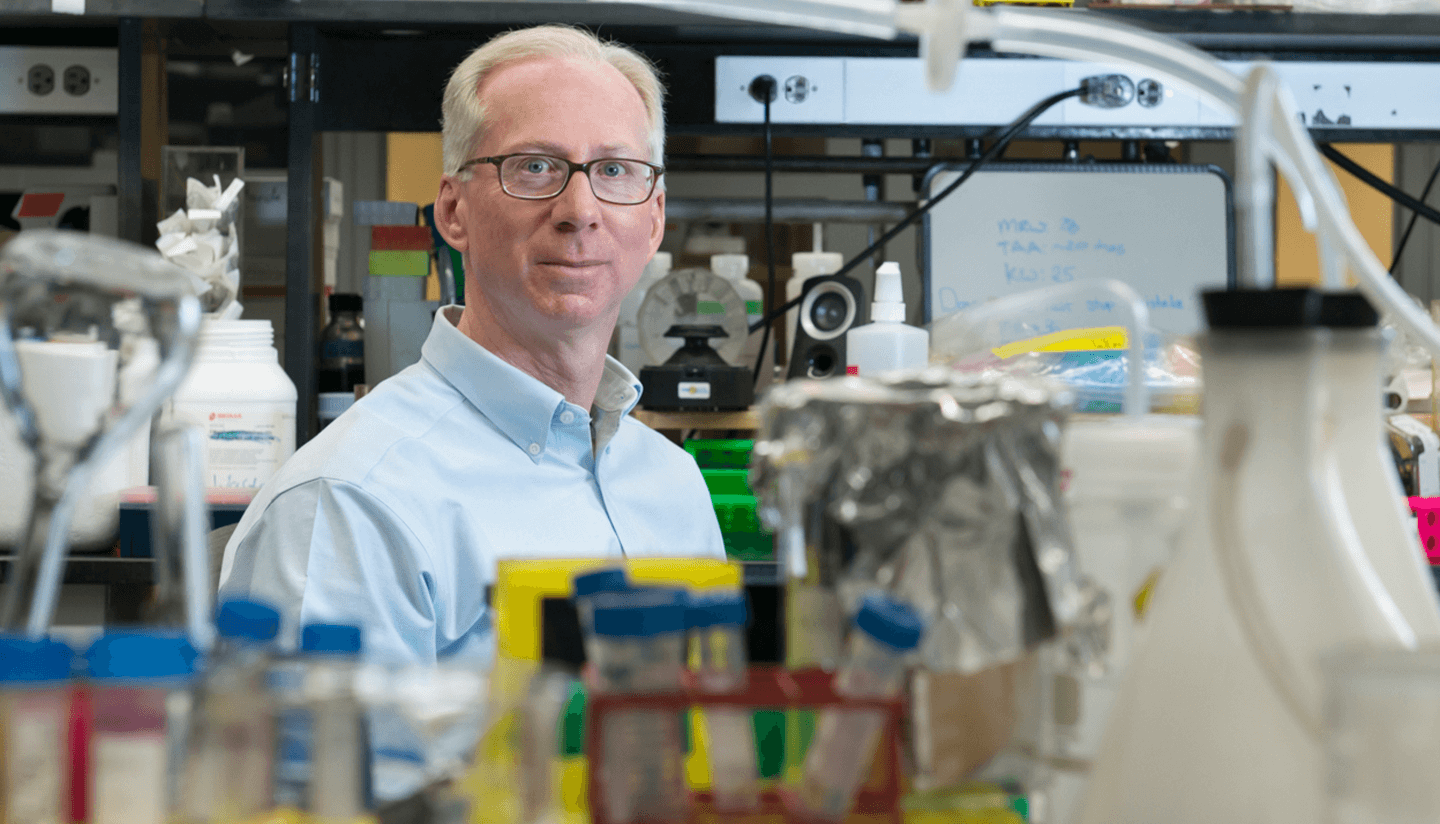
242, 401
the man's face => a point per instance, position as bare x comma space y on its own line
564, 264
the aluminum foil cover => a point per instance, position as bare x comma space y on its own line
941, 488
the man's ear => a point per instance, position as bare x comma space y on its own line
657, 216
451, 212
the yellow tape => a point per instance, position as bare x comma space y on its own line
1067, 340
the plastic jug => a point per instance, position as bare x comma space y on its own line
1223, 696
1361, 462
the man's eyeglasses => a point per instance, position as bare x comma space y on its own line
537, 177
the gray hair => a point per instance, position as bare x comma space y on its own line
463, 114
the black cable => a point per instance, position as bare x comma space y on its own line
769, 239
1369, 179
1015, 128
1414, 216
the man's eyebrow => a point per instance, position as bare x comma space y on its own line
542, 147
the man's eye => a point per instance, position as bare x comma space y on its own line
614, 168
538, 166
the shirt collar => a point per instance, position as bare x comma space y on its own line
519, 404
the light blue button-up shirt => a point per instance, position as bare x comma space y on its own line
393, 516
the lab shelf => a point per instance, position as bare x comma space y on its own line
97, 569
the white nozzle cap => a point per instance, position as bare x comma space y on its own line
889, 304
730, 267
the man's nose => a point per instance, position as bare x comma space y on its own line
576, 207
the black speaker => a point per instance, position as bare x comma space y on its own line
829, 306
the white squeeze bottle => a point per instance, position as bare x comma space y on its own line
886, 342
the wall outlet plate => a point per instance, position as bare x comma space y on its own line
46, 80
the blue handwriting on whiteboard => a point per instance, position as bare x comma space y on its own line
1117, 248
1039, 227
1026, 247
1020, 274
1063, 307
1069, 226
1165, 302
1099, 305
1070, 246
950, 302
1062, 274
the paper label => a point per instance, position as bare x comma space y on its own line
693, 390
35, 771
128, 779
244, 443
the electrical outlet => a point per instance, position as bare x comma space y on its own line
77, 80
61, 80
40, 80
811, 90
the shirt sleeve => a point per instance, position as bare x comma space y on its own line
326, 551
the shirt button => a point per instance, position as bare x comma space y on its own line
567, 416
534, 449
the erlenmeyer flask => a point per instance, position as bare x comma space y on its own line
1357, 454
1222, 700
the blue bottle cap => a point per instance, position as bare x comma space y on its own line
891, 622
335, 639
141, 655
722, 609
605, 580
247, 620
640, 612
34, 660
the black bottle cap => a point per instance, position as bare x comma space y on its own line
1261, 308
1347, 310
345, 302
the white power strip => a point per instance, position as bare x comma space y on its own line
886, 91
46, 80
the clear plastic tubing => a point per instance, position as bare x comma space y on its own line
844, 744
230, 760
587, 586
329, 655
717, 627
638, 647
34, 714
139, 689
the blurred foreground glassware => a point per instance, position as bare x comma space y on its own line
34, 730
1382, 736
65, 288
1222, 700
839, 758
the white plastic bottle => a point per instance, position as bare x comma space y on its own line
736, 269
242, 400
627, 326
886, 343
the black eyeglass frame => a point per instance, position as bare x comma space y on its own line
573, 167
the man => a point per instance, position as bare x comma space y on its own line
510, 437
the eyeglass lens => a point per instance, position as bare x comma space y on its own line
611, 179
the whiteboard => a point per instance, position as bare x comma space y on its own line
1165, 229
